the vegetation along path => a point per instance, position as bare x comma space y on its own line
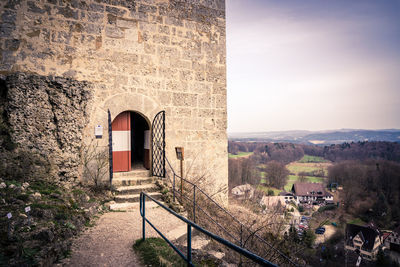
110, 241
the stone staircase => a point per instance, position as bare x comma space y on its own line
128, 187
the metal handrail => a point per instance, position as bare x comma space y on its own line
242, 226
255, 258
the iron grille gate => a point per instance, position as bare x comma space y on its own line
110, 146
158, 145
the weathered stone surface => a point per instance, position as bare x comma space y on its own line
48, 116
138, 55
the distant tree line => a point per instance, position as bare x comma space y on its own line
288, 152
264, 152
356, 151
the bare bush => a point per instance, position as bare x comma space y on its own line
94, 162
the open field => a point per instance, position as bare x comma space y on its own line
312, 159
306, 164
240, 155
297, 167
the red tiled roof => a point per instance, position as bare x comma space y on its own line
310, 189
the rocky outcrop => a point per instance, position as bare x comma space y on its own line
47, 115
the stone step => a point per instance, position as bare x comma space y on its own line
126, 206
129, 180
135, 197
134, 173
136, 189
178, 232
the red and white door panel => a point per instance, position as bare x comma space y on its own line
121, 142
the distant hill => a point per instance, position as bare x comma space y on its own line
319, 137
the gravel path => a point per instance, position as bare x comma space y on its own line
109, 242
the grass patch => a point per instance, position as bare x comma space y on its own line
156, 252
313, 179
266, 188
288, 186
240, 154
301, 167
357, 221
312, 159
45, 188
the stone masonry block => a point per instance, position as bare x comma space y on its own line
163, 29
147, 9
183, 99
67, 12
6, 30
146, 26
94, 7
114, 32
9, 16
119, 12
164, 98
186, 75
167, 73
61, 37
174, 85
205, 101
94, 17
126, 23
161, 39
35, 8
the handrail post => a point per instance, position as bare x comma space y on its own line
143, 199
173, 188
241, 235
189, 245
241, 244
194, 203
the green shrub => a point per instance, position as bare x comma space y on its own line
156, 252
324, 208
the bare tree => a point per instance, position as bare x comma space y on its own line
276, 174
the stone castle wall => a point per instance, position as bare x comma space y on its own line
144, 56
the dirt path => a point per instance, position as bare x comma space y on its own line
109, 242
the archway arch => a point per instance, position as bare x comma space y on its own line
130, 141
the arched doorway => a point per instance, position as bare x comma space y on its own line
130, 142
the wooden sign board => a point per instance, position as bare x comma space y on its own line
179, 153
98, 131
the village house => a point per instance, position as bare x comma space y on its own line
310, 193
392, 241
363, 240
286, 196
244, 191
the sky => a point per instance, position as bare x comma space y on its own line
313, 64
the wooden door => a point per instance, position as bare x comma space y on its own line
121, 142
